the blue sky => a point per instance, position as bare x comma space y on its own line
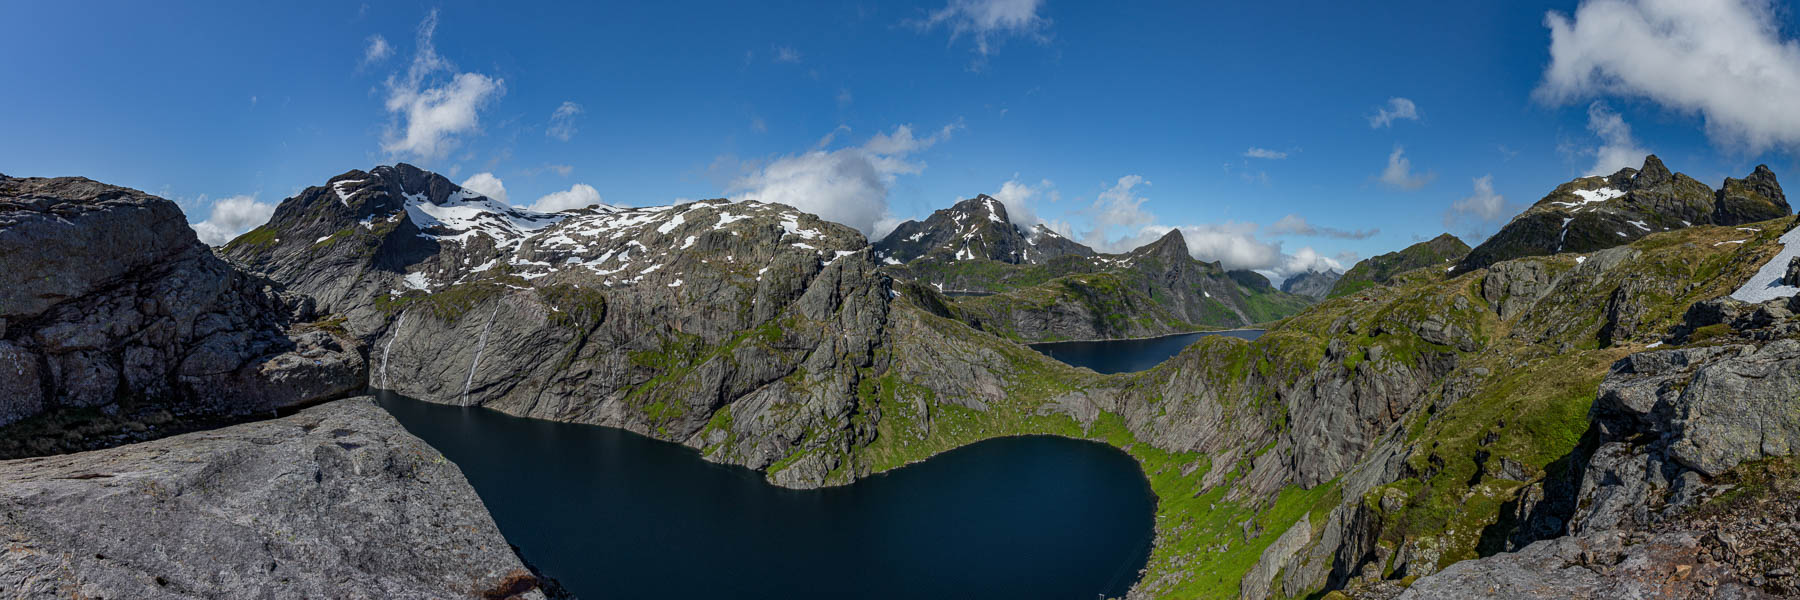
1256, 128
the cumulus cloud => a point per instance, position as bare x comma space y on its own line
580, 195
1118, 217
1303, 260
989, 21
1483, 205
1725, 60
486, 184
847, 185
231, 217
1021, 200
377, 51
433, 105
1298, 225
1399, 174
1617, 148
1264, 153
1120, 223
1397, 109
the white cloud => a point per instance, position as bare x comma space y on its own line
1119, 208
1399, 172
1264, 153
562, 121
1725, 60
1397, 109
1021, 200
1120, 223
430, 111
231, 217
486, 184
846, 185
377, 51
1483, 205
1298, 225
1617, 148
989, 21
785, 54
1303, 260
580, 195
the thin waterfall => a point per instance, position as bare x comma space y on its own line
479, 346
389, 348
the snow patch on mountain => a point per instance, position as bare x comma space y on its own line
1766, 284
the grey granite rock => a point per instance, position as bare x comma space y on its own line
337, 501
109, 300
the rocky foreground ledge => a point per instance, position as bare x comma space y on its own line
337, 501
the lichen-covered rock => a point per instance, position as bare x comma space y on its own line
337, 501
109, 300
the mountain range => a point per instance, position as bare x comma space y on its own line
1549, 414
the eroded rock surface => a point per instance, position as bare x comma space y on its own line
109, 304
337, 501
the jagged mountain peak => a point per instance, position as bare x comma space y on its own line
1170, 245
1594, 213
977, 228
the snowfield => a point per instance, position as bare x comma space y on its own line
1766, 284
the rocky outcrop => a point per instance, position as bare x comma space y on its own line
1792, 275
1312, 284
1379, 270
1672, 426
337, 501
1594, 213
109, 304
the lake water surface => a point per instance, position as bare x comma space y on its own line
612, 514
1126, 356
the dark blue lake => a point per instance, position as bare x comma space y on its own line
1126, 356
612, 514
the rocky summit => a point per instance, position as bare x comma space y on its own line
1594, 213
1312, 284
977, 228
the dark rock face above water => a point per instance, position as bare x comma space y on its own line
337, 501
652, 319
109, 302
1594, 213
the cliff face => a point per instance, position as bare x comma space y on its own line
117, 324
652, 319
337, 501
